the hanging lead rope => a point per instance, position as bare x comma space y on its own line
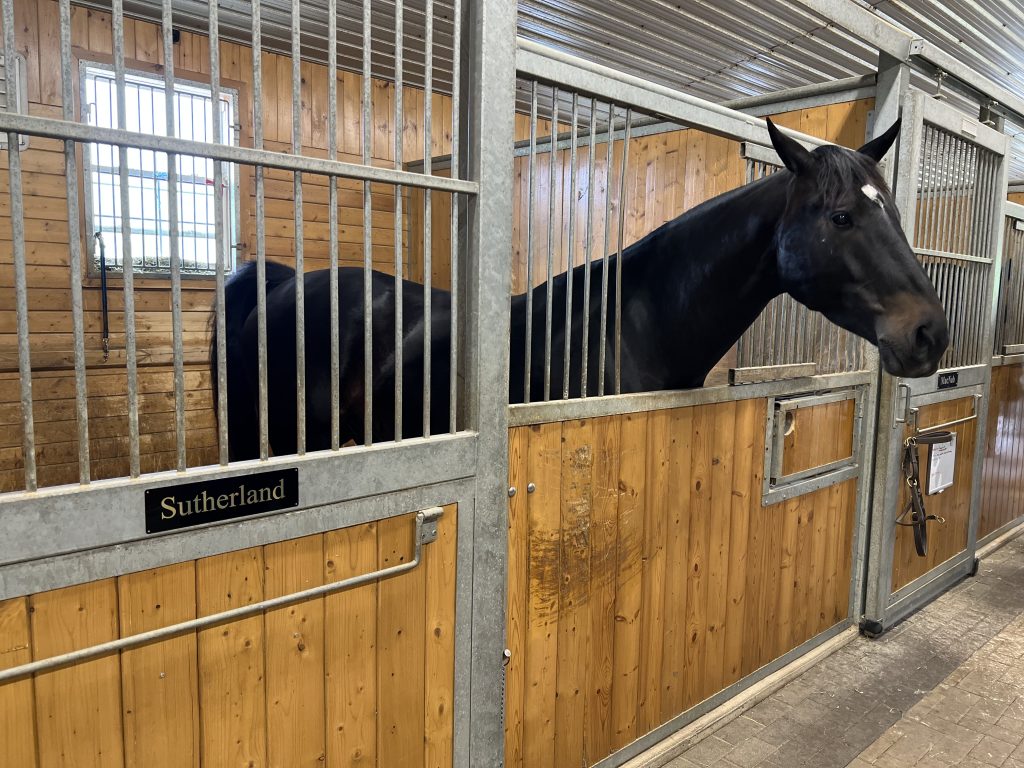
915, 505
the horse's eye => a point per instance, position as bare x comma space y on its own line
842, 219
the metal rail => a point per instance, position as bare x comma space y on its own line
425, 531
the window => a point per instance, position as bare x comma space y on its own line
145, 103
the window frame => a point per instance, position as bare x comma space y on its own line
232, 93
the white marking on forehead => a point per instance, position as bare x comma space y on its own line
873, 195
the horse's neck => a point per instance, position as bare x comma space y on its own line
709, 274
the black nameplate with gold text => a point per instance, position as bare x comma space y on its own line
213, 501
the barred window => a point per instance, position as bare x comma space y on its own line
148, 198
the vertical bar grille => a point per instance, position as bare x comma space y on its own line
1010, 319
956, 189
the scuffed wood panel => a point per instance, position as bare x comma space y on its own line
362, 677
945, 540
1002, 496
645, 575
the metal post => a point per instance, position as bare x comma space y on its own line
75, 255
489, 68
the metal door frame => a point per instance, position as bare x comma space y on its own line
897, 396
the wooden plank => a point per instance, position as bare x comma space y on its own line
544, 573
17, 707
629, 577
350, 663
439, 566
577, 457
78, 708
518, 592
744, 505
603, 567
295, 654
788, 574
232, 691
400, 630
160, 685
699, 555
723, 450
652, 628
677, 537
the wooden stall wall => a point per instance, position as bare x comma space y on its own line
645, 576
47, 249
283, 688
1016, 197
947, 539
1002, 499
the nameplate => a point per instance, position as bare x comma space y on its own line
212, 501
949, 380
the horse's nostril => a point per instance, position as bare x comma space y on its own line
924, 337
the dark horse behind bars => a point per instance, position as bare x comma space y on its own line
826, 231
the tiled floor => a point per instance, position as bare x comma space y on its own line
944, 688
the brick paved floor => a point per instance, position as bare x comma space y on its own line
943, 688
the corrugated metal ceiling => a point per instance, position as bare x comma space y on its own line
717, 49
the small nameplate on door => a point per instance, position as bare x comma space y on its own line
213, 501
949, 380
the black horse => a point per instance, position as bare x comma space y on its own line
825, 230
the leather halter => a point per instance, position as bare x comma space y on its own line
915, 505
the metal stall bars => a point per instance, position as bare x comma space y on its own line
1009, 335
950, 191
592, 103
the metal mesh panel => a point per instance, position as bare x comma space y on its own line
956, 187
788, 333
1010, 320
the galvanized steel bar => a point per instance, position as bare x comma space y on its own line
300, 263
228, 153
622, 248
571, 245
453, 363
603, 333
177, 335
366, 104
424, 532
75, 245
428, 169
127, 264
587, 249
548, 297
20, 287
399, 267
332, 214
261, 233
528, 351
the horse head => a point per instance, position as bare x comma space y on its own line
842, 252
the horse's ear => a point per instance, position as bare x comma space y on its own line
794, 155
878, 146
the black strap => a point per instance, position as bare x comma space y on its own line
915, 505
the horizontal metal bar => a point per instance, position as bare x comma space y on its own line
812, 472
965, 128
424, 532
63, 129
1008, 360
810, 401
804, 92
763, 373
612, 405
586, 77
946, 424
799, 487
66, 519
1016, 210
1013, 349
950, 255
864, 24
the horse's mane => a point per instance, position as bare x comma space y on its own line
840, 170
